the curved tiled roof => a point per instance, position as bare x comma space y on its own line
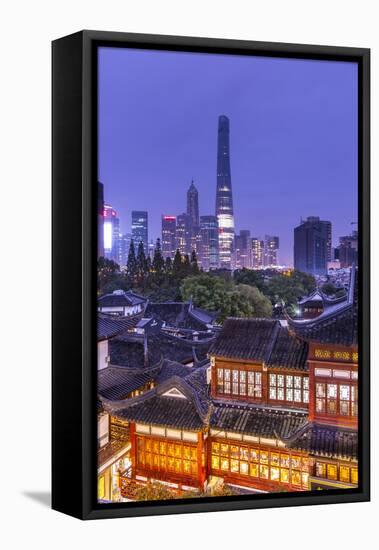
257, 421
109, 326
261, 340
327, 441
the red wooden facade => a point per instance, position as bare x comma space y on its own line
252, 382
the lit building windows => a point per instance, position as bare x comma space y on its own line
271, 466
294, 389
334, 399
239, 382
174, 457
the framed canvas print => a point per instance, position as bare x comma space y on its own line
210, 275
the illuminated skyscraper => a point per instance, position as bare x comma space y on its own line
271, 247
100, 220
257, 253
169, 236
183, 233
111, 233
140, 229
208, 257
193, 204
224, 198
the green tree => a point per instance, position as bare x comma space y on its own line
194, 265
177, 269
168, 265
230, 300
329, 288
107, 270
158, 260
132, 261
141, 264
186, 266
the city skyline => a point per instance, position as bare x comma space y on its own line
303, 137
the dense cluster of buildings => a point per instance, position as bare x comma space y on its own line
213, 236
257, 405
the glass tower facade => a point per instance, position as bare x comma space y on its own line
224, 198
140, 229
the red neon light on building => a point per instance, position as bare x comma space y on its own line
169, 218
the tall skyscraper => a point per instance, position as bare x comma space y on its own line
348, 250
208, 257
224, 198
257, 253
183, 233
140, 229
271, 247
311, 245
124, 244
100, 220
193, 204
242, 250
169, 236
111, 234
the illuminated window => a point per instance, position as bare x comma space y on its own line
332, 471
296, 477
244, 468
263, 471
235, 381
224, 464
345, 474
320, 469
274, 474
284, 475
354, 476
215, 462
234, 466
254, 470
101, 487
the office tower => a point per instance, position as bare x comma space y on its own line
257, 253
100, 220
348, 250
224, 198
140, 229
124, 244
183, 233
208, 257
168, 236
193, 205
242, 250
311, 245
151, 249
111, 233
271, 247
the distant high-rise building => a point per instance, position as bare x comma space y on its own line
257, 253
100, 220
183, 233
124, 245
242, 250
224, 198
271, 247
193, 204
111, 233
208, 257
347, 251
140, 229
168, 236
151, 250
312, 245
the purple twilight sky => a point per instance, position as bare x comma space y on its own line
293, 138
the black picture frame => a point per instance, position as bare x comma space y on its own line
74, 153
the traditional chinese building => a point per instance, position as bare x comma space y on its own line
273, 406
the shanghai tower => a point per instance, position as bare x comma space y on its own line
224, 198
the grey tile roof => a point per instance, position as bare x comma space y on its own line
256, 421
261, 340
115, 383
326, 441
121, 299
109, 326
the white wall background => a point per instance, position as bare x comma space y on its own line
26, 31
